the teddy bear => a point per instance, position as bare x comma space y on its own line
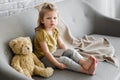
25, 61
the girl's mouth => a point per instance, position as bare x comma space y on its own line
52, 24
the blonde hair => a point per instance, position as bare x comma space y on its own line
45, 7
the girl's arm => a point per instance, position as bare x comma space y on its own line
50, 57
61, 43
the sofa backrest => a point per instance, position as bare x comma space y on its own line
82, 18
23, 24
75, 17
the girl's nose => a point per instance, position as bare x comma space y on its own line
53, 19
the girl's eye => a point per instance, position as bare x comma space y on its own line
55, 17
51, 18
48, 18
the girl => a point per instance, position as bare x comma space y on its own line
46, 39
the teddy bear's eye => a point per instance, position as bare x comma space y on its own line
27, 47
22, 45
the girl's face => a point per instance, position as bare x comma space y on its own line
50, 19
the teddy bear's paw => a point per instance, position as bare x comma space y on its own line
49, 71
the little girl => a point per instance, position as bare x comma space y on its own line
47, 38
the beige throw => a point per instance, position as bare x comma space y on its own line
88, 45
100, 48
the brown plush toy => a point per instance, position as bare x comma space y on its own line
25, 61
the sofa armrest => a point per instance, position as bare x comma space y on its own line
21, 24
100, 23
7, 72
107, 26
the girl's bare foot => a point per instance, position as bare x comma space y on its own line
91, 69
83, 70
87, 63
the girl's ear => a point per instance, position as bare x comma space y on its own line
41, 20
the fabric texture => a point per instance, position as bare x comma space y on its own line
102, 51
70, 58
42, 35
101, 48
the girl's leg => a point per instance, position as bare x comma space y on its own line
85, 63
73, 54
72, 65
47, 63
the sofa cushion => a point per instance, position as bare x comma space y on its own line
104, 71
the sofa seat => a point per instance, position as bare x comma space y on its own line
104, 71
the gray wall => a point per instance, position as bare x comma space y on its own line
117, 8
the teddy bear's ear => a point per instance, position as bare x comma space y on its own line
12, 43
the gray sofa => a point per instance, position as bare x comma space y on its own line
81, 18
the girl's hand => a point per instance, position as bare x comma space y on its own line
62, 66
